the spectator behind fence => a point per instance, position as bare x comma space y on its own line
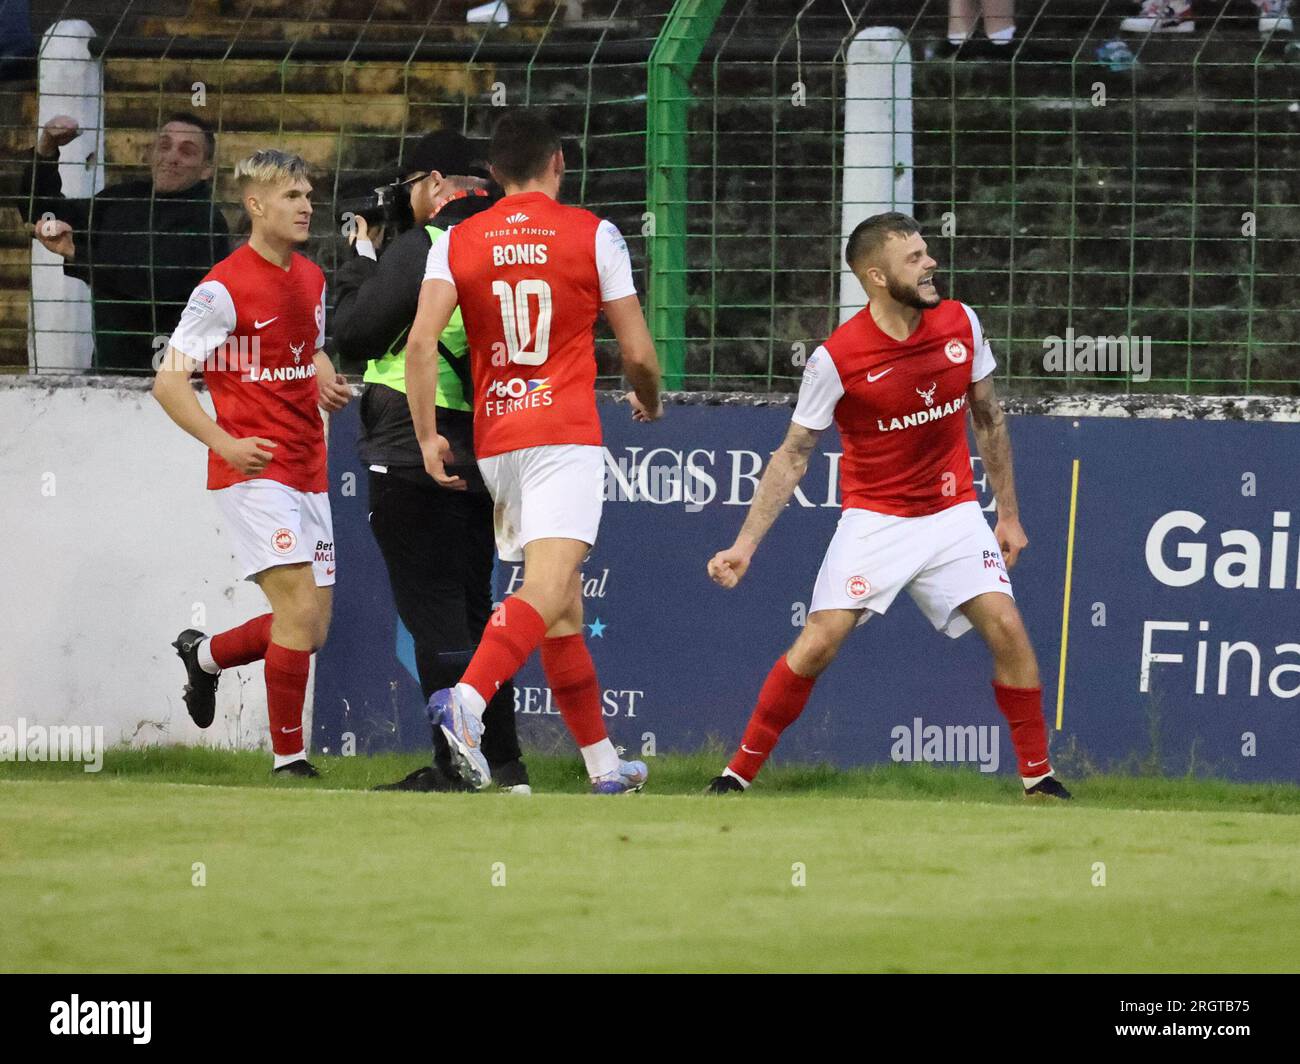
142, 245
999, 24
1179, 16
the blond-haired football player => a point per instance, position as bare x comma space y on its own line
256, 327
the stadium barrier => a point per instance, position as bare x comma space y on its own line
1185, 566
113, 547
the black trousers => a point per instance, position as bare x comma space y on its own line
438, 547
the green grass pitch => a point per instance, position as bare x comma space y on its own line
897, 868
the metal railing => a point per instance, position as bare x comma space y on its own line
1091, 199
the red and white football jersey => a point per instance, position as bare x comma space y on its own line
900, 407
255, 328
530, 276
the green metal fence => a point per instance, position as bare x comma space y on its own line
1146, 192
348, 84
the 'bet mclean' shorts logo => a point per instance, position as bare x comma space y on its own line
324, 551
283, 541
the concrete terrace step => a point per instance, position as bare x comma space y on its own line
282, 20
292, 29
288, 113
177, 77
13, 312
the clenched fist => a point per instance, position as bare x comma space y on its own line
728, 566
57, 132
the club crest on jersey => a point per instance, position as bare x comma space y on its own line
296, 351
858, 587
283, 541
955, 350
928, 393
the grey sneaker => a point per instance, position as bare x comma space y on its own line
464, 733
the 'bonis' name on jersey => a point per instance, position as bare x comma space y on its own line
518, 254
505, 397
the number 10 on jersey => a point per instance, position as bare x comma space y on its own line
516, 320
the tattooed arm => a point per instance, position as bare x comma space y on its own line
781, 477
994, 444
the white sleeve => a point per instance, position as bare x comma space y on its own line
819, 393
206, 323
613, 263
984, 363
320, 318
437, 267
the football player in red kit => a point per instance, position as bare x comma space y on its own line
897, 379
530, 277
256, 327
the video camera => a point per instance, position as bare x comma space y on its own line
386, 204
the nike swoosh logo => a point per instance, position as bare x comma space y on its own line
1004, 579
1035, 764
748, 750
290, 731
872, 380
329, 571
264, 324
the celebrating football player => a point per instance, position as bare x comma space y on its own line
256, 326
897, 379
530, 277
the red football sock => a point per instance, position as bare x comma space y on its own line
241, 645
286, 688
780, 702
572, 676
511, 635
1023, 708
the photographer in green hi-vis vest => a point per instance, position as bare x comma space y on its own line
437, 543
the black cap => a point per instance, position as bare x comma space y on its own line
447, 152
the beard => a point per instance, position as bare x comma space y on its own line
910, 295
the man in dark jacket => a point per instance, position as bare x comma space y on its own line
141, 245
437, 543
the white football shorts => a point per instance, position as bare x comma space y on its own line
550, 492
942, 560
273, 524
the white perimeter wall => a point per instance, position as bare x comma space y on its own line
109, 544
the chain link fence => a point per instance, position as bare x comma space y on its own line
1100, 197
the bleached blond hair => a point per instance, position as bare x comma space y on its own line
270, 166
